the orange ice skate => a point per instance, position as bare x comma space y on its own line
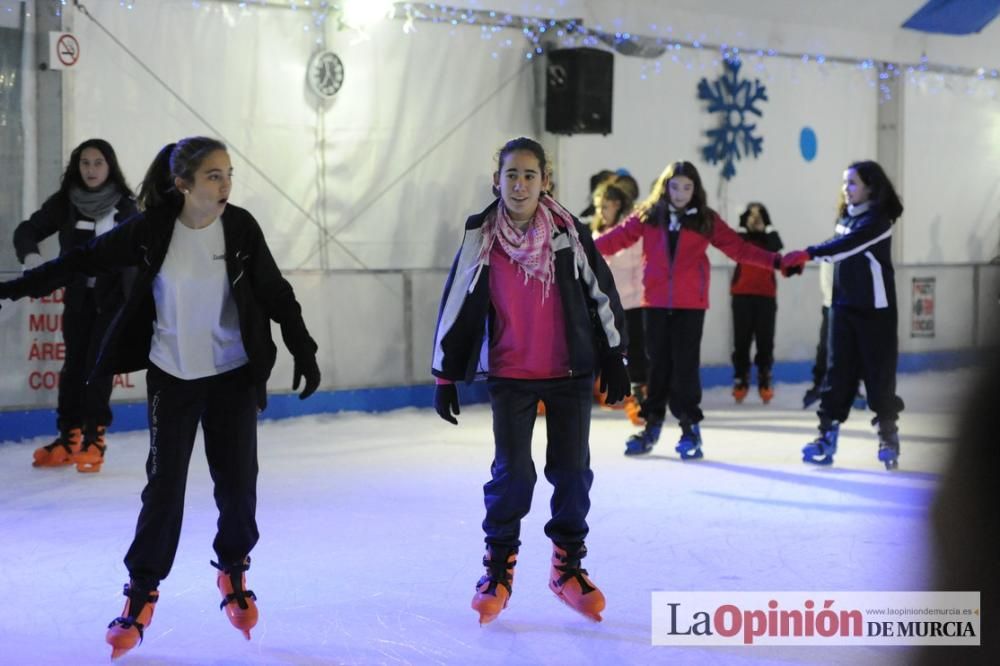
238, 602
633, 410
125, 632
91, 455
495, 587
571, 584
60, 451
740, 390
765, 386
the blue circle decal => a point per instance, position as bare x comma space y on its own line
807, 143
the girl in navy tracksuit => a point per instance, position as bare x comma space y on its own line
862, 338
755, 307
676, 227
531, 305
92, 199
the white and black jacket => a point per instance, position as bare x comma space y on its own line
260, 291
595, 321
861, 250
58, 216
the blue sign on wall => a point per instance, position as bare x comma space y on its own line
807, 143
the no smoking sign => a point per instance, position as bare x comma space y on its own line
64, 50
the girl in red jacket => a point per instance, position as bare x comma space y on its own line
755, 307
676, 227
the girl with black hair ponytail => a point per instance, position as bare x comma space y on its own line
198, 319
157, 188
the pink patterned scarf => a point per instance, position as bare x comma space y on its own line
531, 248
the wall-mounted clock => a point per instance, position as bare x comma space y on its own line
325, 74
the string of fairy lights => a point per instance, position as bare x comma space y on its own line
538, 33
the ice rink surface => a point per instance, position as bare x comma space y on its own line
371, 542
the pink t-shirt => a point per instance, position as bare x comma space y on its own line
529, 334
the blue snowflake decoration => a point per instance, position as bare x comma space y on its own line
736, 100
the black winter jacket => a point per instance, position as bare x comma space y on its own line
260, 292
595, 321
58, 215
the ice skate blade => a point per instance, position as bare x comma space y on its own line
45, 463
486, 618
593, 617
246, 633
117, 652
637, 448
826, 460
88, 468
697, 454
890, 463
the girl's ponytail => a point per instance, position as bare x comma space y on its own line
157, 188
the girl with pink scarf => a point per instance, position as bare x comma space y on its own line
531, 306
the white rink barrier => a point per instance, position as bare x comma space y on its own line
375, 328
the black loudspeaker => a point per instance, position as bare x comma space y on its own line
578, 89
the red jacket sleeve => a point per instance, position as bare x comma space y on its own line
621, 236
738, 249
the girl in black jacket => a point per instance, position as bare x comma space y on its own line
92, 199
862, 336
198, 319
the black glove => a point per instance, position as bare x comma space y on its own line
446, 402
614, 379
4, 290
305, 366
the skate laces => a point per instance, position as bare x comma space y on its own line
652, 431
497, 571
571, 569
101, 448
690, 431
62, 441
137, 600
235, 573
827, 440
58, 442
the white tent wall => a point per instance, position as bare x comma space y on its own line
398, 156
409, 136
407, 139
951, 177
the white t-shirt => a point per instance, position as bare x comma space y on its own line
197, 329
